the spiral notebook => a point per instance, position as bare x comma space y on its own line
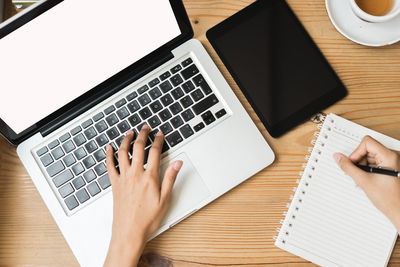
330, 221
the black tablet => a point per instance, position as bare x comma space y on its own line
276, 64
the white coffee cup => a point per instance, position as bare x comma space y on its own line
371, 18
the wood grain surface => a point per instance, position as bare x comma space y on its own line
238, 228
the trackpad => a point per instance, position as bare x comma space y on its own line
189, 190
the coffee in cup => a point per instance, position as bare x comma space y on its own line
375, 10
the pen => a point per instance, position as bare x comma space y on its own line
379, 170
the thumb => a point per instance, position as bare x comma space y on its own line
169, 180
360, 177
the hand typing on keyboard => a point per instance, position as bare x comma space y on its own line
139, 201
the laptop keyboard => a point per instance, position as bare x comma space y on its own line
179, 102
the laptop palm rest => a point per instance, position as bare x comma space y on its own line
189, 190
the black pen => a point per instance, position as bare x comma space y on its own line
379, 170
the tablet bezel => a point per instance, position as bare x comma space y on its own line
307, 110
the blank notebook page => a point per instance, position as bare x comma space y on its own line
330, 221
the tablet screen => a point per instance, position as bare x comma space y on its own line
276, 64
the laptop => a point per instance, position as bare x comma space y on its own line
90, 70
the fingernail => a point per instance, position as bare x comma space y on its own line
337, 157
146, 127
178, 165
130, 132
108, 147
159, 133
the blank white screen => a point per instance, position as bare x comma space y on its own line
73, 47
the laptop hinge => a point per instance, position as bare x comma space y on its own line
108, 91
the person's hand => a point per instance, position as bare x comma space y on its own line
382, 190
139, 201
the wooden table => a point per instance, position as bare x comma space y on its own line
238, 228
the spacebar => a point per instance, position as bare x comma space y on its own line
205, 104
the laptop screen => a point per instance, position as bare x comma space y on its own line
71, 48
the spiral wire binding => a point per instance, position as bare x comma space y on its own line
309, 168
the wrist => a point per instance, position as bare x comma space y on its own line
124, 252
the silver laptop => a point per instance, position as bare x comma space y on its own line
89, 70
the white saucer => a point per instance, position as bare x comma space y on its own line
359, 31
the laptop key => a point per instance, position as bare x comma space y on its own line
78, 182
82, 195
69, 160
220, 113
99, 155
122, 113
197, 95
120, 103
186, 101
167, 100
165, 75
177, 93
93, 189
100, 169
64, 137
79, 139
152, 134
89, 176
76, 130
143, 89
208, 117
200, 81
165, 115
186, 131
98, 116
66, 190
177, 121
78, 168
154, 82
176, 69
175, 108
109, 110
62, 178
174, 138
101, 126
104, 181
188, 87
55, 168
205, 104
134, 120
187, 115
91, 146
41, 151
187, 62
112, 119
89, 162
46, 160
189, 72
165, 86
176, 80
90, 133
71, 202
144, 100
101, 140
155, 93
199, 126
123, 126
112, 133
166, 128
156, 106
57, 153
87, 123
119, 140
145, 113
53, 144
165, 147
131, 96
80, 153
133, 106
68, 146
154, 121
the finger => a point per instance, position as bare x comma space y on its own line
112, 171
360, 177
153, 163
139, 146
369, 146
123, 156
169, 181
